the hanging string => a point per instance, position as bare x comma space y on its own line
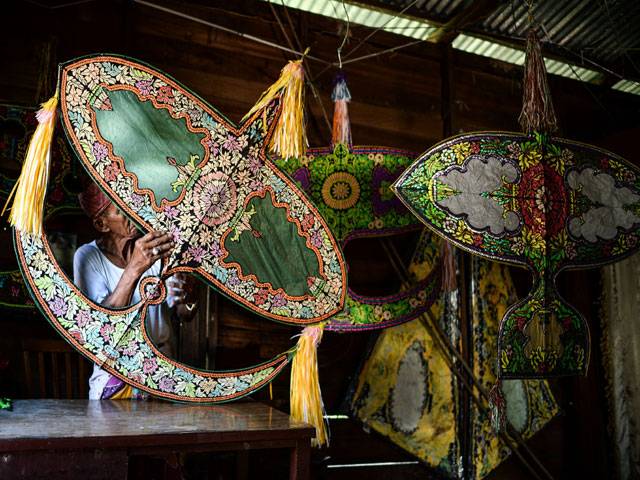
371, 34
268, 43
584, 83
310, 82
382, 52
56, 7
365, 39
229, 30
346, 35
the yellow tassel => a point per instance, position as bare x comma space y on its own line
28, 193
306, 399
289, 138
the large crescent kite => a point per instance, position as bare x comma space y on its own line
173, 163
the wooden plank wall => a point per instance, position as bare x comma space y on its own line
396, 102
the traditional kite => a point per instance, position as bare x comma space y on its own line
350, 185
173, 163
533, 200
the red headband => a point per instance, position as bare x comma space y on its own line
93, 201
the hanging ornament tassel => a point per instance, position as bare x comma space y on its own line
498, 407
537, 113
306, 399
341, 96
29, 191
289, 138
447, 257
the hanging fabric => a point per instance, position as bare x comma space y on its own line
418, 403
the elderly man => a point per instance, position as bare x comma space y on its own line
108, 271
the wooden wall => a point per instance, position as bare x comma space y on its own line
399, 100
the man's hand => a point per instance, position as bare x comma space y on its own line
147, 250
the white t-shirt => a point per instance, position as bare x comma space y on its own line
97, 277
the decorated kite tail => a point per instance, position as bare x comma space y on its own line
289, 137
447, 257
28, 193
498, 407
341, 96
538, 114
306, 399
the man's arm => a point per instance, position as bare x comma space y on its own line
141, 260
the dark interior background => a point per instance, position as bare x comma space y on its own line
408, 99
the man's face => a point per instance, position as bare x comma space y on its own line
112, 221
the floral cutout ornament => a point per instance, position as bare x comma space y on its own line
173, 163
350, 185
537, 201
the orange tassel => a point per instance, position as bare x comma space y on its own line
341, 96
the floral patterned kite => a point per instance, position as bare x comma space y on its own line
351, 187
538, 201
173, 163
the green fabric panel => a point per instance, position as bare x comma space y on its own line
271, 251
145, 137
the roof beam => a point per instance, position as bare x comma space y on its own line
471, 14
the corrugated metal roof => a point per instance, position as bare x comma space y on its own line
586, 40
600, 34
603, 30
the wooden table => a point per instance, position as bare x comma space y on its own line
54, 438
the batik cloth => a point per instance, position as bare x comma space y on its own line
621, 362
407, 392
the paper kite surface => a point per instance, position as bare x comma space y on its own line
172, 163
175, 164
351, 188
548, 204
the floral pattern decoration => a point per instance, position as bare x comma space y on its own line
545, 203
212, 190
350, 186
117, 339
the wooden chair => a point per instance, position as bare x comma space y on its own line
53, 369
